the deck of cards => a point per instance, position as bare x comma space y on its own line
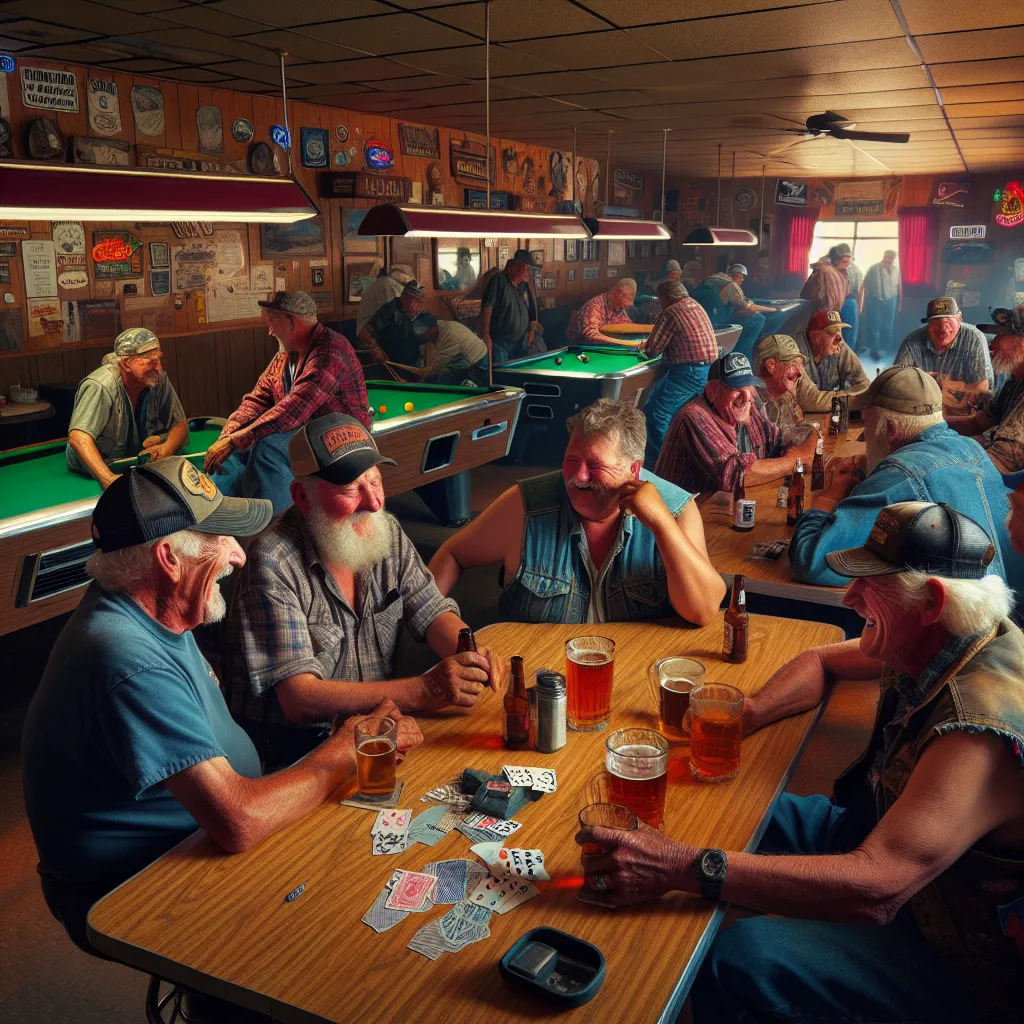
390, 831
540, 780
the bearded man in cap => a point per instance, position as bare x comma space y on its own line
508, 311
128, 745
721, 434
123, 407
1004, 416
912, 455
319, 610
387, 287
954, 353
314, 372
901, 899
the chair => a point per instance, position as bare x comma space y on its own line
156, 1005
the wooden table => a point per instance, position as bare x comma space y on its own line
219, 922
728, 548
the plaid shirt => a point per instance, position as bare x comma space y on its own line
826, 288
700, 453
327, 378
586, 322
683, 334
288, 616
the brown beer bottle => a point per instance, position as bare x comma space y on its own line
818, 466
467, 642
739, 490
796, 495
737, 624
517, 708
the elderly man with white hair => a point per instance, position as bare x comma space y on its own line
602, 540
912, 455
319, 610
128, 745
902, 898
123, 407
610, 307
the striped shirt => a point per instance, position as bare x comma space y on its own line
683, 334
966, 360
586, 322
882, 282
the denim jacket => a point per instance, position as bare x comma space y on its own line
553, 584
939, 465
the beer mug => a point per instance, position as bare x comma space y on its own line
376, 756
605, 816
636, 763
715, 721
589, 668
672, 679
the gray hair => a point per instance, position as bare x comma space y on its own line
905, 428
972, 606
620, 420
131, 568
672, 290
628, 283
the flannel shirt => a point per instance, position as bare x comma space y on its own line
327, 378
683, 334
586, 322
288, 616
700, 453
826, 288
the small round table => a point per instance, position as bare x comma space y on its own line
19, 423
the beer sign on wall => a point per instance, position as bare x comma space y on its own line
1011, 200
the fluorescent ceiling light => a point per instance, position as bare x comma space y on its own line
720, 236
626, 230
442, 222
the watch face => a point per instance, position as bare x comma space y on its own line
713, 864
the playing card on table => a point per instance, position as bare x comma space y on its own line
466, 922
449, 820
520, 893
518, 776
480, 821
503, 827
544, 780
380, 917
523, 864
386, 843
487, 852
490, 891
421, 829
452, 876
429, 941
411, 891
392, 820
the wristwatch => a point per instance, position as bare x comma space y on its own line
710, 868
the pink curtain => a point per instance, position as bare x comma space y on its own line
800, 224
917, 245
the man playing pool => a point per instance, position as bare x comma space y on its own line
123, 407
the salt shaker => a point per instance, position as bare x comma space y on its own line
549, 694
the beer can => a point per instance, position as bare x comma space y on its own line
744, 514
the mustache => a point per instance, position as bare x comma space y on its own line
594, 488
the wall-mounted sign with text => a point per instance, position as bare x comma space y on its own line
961, 231
1011, 198
360, 185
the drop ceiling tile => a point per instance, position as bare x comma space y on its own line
207, 18
140, 65
590, 50
370, 70
251, 85
961, 46
524, 19
145, 6
925, 16
979, 72
390, 33
451, 94
260, 72
383, 103
468, 61
555, 83
273, 12
301, 46
413, 83
199, 75
645, 12
176, 40
94, 18
39, 34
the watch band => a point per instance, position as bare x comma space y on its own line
710, 868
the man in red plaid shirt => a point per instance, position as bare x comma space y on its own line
609, 307
315, 373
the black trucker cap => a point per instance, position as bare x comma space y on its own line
335, 447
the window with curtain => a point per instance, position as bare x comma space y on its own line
799, 225
868, 239
917, 246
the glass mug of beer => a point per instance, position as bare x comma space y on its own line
672, 679
636, 761
376, 756
589, 667
715, 721
605, 816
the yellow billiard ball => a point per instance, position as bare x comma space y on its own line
383, 409
408, 406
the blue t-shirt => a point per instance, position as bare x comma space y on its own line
123, 705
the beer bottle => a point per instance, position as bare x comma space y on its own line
739, 492
818, 466
467, 642
517, 708
833, 420
737, 624
796, 495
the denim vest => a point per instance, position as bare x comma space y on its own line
553, 584
972, 915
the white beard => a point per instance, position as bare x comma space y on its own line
216, 607
339, 543
1002, 364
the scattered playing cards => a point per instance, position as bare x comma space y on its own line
390, 831
514, 863
541, 780
411, 891
380, 917
769, 549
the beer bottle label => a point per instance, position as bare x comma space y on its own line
727, 642
741, 598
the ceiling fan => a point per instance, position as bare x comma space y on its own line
831, 123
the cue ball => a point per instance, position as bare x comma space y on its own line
383, 409
558, 360
408, 406
583, 357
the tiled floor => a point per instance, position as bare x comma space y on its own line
44, 979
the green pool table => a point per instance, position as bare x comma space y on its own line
727, 334
45, 509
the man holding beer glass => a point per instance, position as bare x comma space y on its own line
601, 541
319, 610
902, 898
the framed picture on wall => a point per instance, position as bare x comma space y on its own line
360, 273
456, 263
303, 238
590, 251
351, 241
632, 251
645, 250
571, 250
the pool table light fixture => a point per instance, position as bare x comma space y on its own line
720, 236
443, 222
621, 229
130, 195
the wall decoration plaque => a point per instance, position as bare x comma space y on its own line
418, 140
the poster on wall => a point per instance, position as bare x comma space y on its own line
951, 193
104, 107
232, 301
11, 331
616, 254
211, 129
303, 238
469, 162
790, 193
45, 319
40, 262
49, 90
221, 257
418, 140
100, 319
867, 197
148, 110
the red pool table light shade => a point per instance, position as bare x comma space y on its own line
621, 229
34, 192
443, 222
720, 236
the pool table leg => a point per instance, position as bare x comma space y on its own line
448, 499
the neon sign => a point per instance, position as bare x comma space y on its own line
1012, 199
113, 250
377, 155
281, 136
6, 63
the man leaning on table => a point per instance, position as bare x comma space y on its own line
315, 371
912, 455
902, 898
320, 607
830, 365
601, 541
123, 407
128, 745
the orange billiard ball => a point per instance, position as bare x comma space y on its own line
383, 409
408, 406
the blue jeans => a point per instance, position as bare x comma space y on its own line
879, 320
849, 315
261, 471
816, 972
753, 326
677, 386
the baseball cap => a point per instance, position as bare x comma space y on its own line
776, 346
733, 370
905, 389
298, 303
918, 536
825, 320
1005, 321
738, 268
1013, 480
337, 448
944, 305
523, 256
673, 265
414, 289
135, 341
160, 498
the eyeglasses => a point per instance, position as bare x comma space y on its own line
150, 358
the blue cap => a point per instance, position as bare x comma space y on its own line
733, 370
1013, 480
